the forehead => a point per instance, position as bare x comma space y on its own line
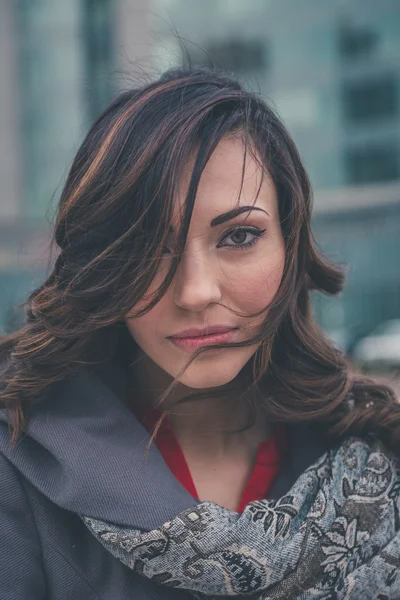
228, 180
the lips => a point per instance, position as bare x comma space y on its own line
192, 339
213, 330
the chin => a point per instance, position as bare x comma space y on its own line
202, 381
210, 374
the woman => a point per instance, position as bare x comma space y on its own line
174, 423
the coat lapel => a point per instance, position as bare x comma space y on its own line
87, 453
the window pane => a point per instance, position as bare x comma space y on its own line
370, 100
378, 163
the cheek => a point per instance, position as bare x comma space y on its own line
252, 288
144, 329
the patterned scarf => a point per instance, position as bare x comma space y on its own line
334, 536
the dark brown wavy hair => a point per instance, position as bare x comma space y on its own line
112, 223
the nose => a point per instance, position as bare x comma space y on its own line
196, 283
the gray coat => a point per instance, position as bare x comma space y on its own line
84, 454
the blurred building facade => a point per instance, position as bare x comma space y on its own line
330, 69
332, 72
52, 68
58, 62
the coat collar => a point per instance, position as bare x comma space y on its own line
86, 452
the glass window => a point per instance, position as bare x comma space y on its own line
369, 35
98, 59
50, 73
374, 163
65, 54
370, 100
356, 42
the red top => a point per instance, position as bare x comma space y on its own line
266, 466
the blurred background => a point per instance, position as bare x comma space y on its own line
330, 68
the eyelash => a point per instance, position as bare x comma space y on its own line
258, 233
252, 230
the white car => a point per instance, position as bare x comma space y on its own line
380, 350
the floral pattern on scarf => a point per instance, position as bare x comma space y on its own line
334, 536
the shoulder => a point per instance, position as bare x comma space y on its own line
15, 511
21, 570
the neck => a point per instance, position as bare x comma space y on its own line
214, 419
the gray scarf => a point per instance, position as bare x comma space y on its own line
334, 536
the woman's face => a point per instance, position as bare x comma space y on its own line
231, 261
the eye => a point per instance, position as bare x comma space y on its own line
241, 237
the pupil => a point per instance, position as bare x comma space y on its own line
239, 237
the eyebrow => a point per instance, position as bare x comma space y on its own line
235, 212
